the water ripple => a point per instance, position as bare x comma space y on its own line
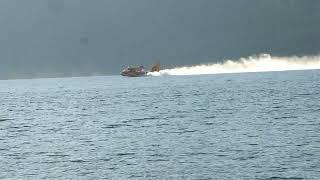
244, 126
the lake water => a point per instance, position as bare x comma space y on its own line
223, 126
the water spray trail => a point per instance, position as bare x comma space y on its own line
261, 63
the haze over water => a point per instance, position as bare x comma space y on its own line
222, 126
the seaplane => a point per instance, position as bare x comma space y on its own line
139, 71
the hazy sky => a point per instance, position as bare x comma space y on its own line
81, 37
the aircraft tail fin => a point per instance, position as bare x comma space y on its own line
156, 67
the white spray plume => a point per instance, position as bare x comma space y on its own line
261, 63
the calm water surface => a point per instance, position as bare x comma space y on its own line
230, 126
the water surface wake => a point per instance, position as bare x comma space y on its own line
261, 63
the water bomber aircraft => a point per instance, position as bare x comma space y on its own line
139, 71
